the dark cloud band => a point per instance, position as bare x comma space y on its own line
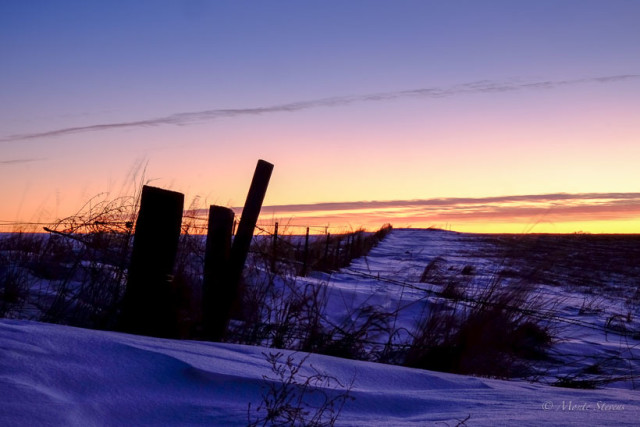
558, 207
458, 202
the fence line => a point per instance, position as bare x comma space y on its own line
356, 273
192, 223
47, 227
546, 315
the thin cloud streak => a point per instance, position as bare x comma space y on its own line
186, 118
457, 202
19, 161
559, 207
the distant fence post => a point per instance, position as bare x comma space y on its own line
148, 305
217, 295
326, 250
244, 232
274, 250
306, 253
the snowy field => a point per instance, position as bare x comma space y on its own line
587, 288
64, 376
60, 375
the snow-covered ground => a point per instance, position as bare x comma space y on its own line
587, 286
59, 375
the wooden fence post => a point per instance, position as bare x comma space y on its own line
326, 251
248, 220
217, 296
149, 306
274, 250
306, 253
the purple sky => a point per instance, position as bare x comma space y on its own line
352, 101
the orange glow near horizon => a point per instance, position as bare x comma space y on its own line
318, 225
555, 213
596, 213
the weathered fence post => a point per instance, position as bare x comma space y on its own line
244, 232
148, 305
217, 296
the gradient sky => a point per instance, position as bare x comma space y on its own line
495, 116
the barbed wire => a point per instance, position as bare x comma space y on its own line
188, 225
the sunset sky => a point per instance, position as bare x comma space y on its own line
499, 116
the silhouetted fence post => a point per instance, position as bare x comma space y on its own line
326, 251
244, 232
306, 253
149, 305
274, 249
217, 295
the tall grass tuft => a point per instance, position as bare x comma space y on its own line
495, 332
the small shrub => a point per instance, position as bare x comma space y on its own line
275, 310
434, 271
467, 270
14, 289
294, 398
353, 337
573, 382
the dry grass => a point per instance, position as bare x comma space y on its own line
490, 332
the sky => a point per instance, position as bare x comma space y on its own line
493, 116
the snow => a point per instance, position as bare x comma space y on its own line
60, 375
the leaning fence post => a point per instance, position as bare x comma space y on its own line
217, 296
248, 220
148, 305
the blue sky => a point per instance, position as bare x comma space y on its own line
163, 67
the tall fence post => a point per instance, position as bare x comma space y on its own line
217, 296
149, 306
244, 232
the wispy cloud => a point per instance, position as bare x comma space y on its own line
557, 207
186, 118
459, 202
19, 161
